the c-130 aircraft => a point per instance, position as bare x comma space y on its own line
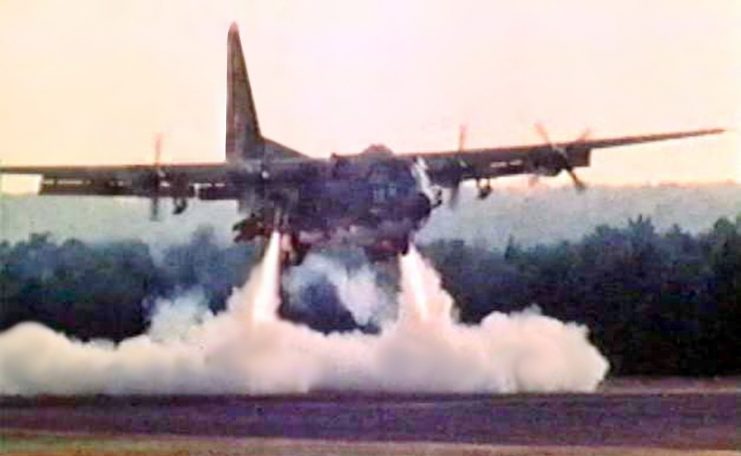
376, 199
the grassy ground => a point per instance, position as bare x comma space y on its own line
18, 443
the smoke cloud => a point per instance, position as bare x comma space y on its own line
357, 290
248, 349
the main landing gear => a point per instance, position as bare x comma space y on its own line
250, 228
293, 250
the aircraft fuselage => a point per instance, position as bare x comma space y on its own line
376, 204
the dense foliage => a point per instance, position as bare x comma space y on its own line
106, 290
656, 303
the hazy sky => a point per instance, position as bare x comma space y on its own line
89, 81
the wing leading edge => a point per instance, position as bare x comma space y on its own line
215, 180
179, 180
492, 162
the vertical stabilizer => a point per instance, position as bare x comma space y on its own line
243, 138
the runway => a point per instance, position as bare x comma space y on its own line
689, 418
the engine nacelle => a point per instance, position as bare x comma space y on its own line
551, 162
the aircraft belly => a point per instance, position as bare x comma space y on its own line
362, 220
359, 235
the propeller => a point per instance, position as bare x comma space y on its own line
455, 189
562, 152
158, 178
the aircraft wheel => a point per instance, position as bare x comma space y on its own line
300, 250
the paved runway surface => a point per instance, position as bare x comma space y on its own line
687, 419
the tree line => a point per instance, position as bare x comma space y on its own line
656, 303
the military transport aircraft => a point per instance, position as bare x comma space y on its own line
375, 199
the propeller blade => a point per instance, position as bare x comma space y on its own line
563, 153
154, 207
455, 189
584, 135
157, 149
454, 197
543, 133
578, 183
462, 132
154, 202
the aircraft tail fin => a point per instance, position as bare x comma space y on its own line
243, 138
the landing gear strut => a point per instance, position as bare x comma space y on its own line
251, 227
293, 250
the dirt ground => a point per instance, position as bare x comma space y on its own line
625, 417
58, 444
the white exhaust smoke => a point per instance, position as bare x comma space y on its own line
358, 290
247, 349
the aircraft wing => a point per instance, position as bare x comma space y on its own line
453, 166
200, 171
129, 180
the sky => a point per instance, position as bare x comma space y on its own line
92, 82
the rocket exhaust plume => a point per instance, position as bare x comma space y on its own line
423, 288
267, 283
248, 349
